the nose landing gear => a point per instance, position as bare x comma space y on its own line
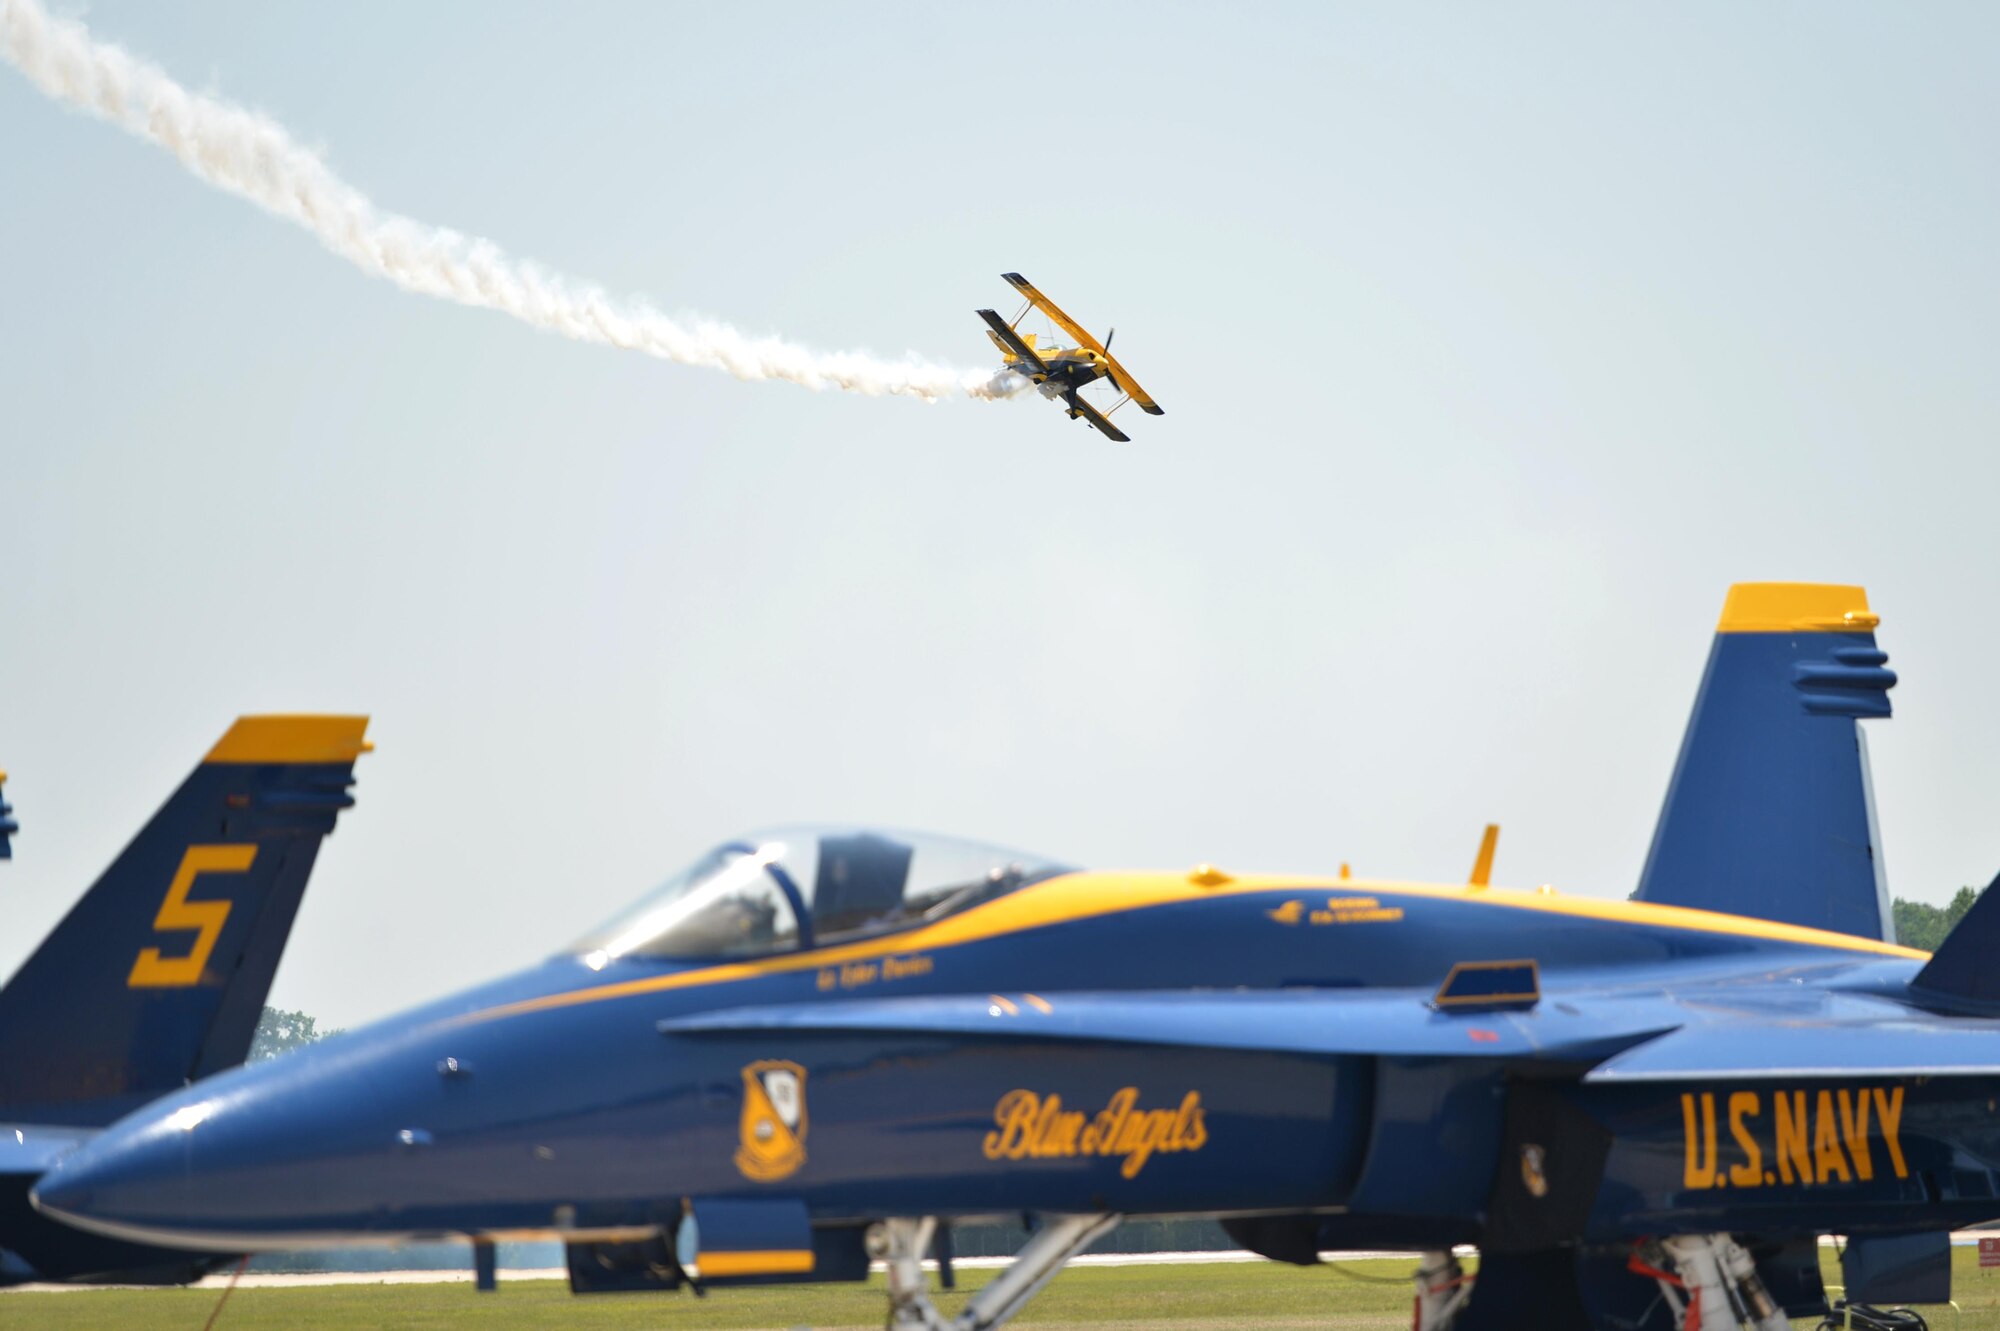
901, 1244
1442, 1291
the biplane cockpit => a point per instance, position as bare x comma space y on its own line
1059, 372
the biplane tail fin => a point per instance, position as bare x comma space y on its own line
1009, 341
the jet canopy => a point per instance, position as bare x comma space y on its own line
799, 887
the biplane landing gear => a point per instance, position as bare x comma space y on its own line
901, 1245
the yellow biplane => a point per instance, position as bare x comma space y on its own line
1060, 371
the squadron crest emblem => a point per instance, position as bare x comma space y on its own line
1533, 1176
772, 1134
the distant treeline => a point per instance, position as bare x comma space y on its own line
1922, 926
280, 1029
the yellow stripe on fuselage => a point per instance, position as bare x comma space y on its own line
1087, 895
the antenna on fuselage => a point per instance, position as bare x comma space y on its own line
1482, 867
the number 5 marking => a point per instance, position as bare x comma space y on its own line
177, 913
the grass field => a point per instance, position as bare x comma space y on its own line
1178, 1298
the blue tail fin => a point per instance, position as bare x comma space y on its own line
1769, 812
1962, 972
8, 827
158, 975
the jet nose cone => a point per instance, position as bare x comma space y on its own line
124, 1182
66, 1196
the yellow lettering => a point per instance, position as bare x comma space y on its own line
1827, 1155
899, 968
1184, 1120
1137, 1141
1749, 1174
1346, 910
1794, 1163
177, 914
1889, 1112
1045, 1122
1854, 1131
1112, 1119
1013, 1117
1037, 1127
1700, 1170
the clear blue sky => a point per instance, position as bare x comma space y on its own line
1495, 341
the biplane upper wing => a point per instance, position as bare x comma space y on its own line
1124, 381
1048, 307
1004, 334
1078, 407
1127, 384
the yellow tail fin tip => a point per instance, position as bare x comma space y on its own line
292, 739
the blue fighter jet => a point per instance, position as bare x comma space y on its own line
815, 1047
158, 975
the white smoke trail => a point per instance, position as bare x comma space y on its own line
252, 156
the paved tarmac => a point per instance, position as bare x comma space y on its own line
305, 1279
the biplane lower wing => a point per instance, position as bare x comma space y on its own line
1005, 334
1078, 407
1124, 381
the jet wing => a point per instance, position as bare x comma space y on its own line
1395, 1022
1126, 383
1099, 420
28, 1150
1006, 334
1907, 1044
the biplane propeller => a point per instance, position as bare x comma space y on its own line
1060, 371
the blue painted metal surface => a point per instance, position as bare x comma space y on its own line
597, 1091
79, 1041
157, 977
1963, 976
1767, 813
